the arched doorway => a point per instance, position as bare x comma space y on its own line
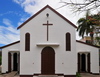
48, 61
83, 63
15, 63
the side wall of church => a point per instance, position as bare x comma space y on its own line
12, 48
65, 61
94, 56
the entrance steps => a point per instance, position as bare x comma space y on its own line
48, 76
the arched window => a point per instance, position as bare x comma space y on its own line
68, 42
27, 42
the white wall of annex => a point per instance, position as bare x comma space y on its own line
94, 55
5, 51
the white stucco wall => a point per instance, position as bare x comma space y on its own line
65, 61
5, 51
94, 55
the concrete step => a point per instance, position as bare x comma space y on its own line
48, 76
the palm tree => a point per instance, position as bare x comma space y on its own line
85, 26
96, 21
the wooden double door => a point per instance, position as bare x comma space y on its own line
48, 61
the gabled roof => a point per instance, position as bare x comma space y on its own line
9, 44
47, 6
87, 44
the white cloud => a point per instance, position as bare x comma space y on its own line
32, 6
8, 34
13, 30
19, 23
18, 1
7, 22
24, 18
8, 38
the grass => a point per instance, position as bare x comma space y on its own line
78, 74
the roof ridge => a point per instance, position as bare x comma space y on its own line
87, 44
47, 6
9, 44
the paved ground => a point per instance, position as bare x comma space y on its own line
13, 74
89, 75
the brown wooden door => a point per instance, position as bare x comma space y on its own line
15, 64
83, 63
88, 62
9, 62
48, 61
78, 62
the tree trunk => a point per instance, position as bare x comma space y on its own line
91, 35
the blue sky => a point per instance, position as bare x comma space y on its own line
11, 16
11, 11
14, 12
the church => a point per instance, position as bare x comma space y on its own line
48, 48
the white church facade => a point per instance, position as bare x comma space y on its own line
48, 46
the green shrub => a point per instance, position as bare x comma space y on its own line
78, 74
